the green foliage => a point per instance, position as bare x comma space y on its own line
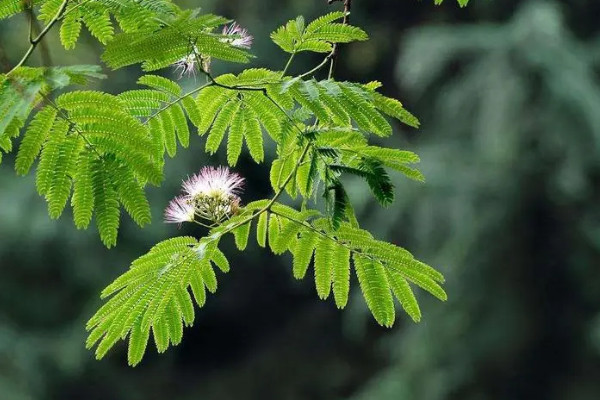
9, 8
242, 106
98, 151
104, 139
147, 14
335, 153
97, 16
339, 104
26, 87
161, 46
318, 36
238, 105
156, 293
162, 112
381, 268
462, 3
86, 141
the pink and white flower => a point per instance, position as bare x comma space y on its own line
179, 210
211, 181
212, 194
187, 65
239, 36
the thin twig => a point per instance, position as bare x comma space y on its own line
177, 100
203, 225
30, 17
348, 246
263, 90
347, 8
318, 67
287, 65
35, 41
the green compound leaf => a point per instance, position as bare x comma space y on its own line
156, 294
318, 36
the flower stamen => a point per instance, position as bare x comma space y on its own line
238, 36
210, 195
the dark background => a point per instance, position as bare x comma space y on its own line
509, 99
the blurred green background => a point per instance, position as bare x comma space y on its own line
508, 93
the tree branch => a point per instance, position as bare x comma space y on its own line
334, 53
35, 41
177, 100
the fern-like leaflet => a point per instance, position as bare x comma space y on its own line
85, 142
155, 294
318, 36
161, 46
131, 16
26, 87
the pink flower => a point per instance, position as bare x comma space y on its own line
239, 36
211, 181
211, 194
187, 65
179, 210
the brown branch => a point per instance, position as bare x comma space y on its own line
36, 27
35, 41
335, 51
